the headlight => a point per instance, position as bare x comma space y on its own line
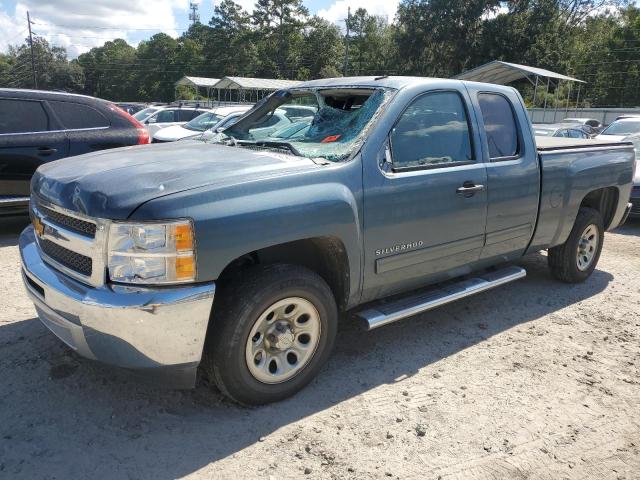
152, 252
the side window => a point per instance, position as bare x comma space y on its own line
562, 133
499, 124
433, 130
165, 116
576, 134
187, 115
22, 116
76, 115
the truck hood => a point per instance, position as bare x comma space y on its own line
112, 183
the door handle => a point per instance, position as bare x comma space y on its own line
468, 189
44, 151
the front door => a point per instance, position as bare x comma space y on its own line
425, 209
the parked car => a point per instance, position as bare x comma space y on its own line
627, 115
156, 118
621, 129
561, 130
591, 122
399, 184
624, 130
131, 107
37, 127
198, 125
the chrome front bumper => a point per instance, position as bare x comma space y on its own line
159, 331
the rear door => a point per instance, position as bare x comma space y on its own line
513, 173
29, 137
87, 128
425, 206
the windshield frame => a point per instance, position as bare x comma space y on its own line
273, 102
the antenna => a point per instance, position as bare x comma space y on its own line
194, 16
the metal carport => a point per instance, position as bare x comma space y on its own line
243, 89
503, 73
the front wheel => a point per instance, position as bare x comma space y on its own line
575, 259
273, 329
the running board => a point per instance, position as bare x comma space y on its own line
387, 312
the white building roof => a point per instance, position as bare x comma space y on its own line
197, 81
503, 73
247, 83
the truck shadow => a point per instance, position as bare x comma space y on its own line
10, 228
56, 405
630, 227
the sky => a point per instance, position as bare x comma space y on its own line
80, 25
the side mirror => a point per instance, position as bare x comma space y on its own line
151, 120
220, 129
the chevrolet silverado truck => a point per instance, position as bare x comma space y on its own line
238, 253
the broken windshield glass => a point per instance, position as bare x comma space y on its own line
328, 123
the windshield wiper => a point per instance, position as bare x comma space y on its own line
273, 143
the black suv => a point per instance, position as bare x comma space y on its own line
38, 127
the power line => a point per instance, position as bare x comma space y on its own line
96, 27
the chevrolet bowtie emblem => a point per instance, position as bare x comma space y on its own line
38, 226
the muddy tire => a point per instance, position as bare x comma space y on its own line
575, 260
272, 330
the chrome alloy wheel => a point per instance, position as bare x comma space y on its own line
283, 340
587, 247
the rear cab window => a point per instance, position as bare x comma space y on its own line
77, 116
500, 126
22, 116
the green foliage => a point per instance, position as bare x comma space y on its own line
279, 39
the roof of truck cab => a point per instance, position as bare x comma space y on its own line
388, 82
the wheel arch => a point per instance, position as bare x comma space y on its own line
325, 255
605, 201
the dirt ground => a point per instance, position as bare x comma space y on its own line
536, 379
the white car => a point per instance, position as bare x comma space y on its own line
204, 121
624, 129
156, 118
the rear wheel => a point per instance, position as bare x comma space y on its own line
273, 329
575, 260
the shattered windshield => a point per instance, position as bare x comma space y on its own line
324, 123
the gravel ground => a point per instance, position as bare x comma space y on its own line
534, 380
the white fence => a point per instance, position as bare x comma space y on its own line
604, 115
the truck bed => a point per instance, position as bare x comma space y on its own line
546, 144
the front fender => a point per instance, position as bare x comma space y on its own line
231, 224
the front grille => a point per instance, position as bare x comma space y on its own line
69, 259
75, 224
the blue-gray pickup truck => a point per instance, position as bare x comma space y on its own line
239, 251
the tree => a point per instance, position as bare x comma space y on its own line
229, 44
279, 25
439, 37
53, 70
322, 50
110, 70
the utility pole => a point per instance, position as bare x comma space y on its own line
346, 51
194, 16
33, 62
